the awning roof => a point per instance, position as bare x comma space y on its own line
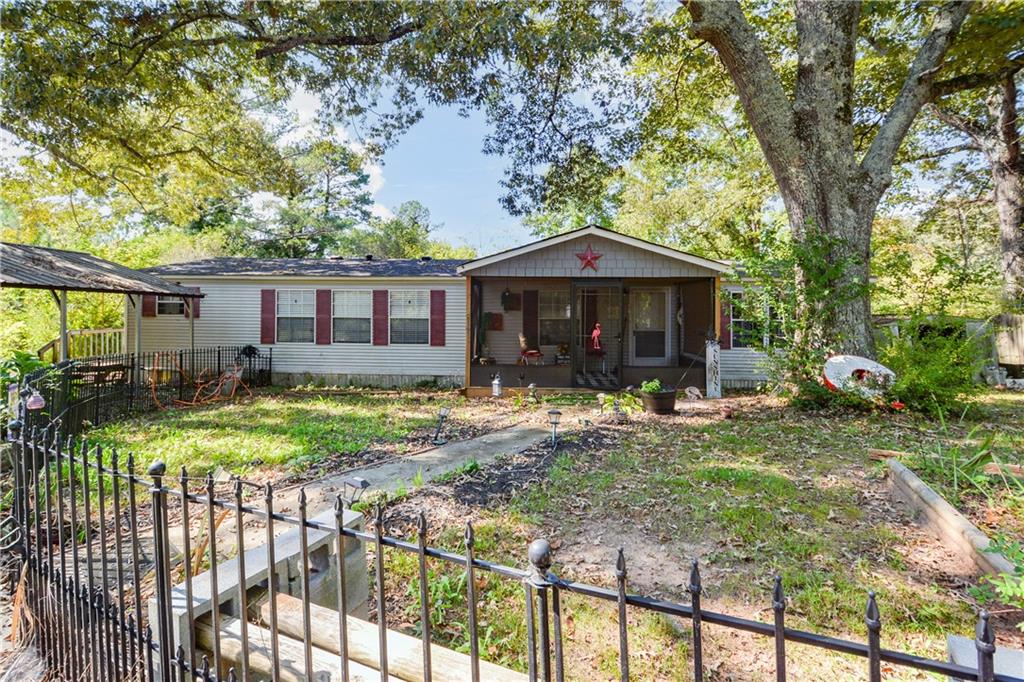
38, 267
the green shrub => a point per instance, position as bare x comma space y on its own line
651, 386
936, 363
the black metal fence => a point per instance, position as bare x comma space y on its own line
90, 391
93, 541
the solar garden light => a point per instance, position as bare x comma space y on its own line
620, 414
553, 417
442, 414
353, 489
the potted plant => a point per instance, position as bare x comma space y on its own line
657, 398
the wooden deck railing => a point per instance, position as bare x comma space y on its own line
85, 343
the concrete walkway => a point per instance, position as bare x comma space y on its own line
399, 473
389, 476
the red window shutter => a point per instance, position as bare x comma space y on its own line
323, 316
437, 317
380, 317
194, 302
149, 306
725, 301
531, 320
268, 315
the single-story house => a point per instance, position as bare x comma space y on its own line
590, 308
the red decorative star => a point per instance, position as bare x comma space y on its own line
588, 259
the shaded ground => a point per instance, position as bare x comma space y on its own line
769, 491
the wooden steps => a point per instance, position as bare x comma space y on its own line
405, 653
326, 665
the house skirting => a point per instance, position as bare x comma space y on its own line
369, 380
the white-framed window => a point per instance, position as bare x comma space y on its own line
410, 317
553, 313
746, 332
296, 315
170, 305
352, 316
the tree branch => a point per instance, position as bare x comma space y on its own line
285, 44
764, 99
945, 151
972, 81
916, 91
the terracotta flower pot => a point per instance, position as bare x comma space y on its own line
662, 402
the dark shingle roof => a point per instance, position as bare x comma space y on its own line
311, 267
38, 267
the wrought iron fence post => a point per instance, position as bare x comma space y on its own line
698, 641
545, 584
162, 588
181, 375
779, 607
985, 641
874, 622
620, 579
474, 643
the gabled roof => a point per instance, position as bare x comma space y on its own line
594, 231
311, 267
38, 267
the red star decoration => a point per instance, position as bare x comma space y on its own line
588, 259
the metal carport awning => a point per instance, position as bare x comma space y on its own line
23, 266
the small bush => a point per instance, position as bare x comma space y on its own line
935, 364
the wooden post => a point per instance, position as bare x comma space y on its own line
64, 350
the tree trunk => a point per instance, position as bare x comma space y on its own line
998, 139
808, 143
1008, 183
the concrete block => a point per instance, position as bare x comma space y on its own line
962, 651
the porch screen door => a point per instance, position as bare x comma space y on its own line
649, 325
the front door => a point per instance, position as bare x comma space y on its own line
597, 334
649, 326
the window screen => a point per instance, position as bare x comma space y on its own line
410, 317
296, 310
352, 311
169, 305
553, 317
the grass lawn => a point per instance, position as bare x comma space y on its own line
279, 430
772, 491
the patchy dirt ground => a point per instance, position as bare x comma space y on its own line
752, 491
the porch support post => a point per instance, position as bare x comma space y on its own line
64, 354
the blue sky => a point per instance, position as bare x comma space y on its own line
438, 162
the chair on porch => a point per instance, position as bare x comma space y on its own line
526, 352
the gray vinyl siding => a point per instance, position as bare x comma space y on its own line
617, 260
230, 315
743, 368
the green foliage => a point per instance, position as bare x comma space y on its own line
1008, 587
651, 386
467, 469
800, 322
404, 235
936, 362
13, 369
627, 402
